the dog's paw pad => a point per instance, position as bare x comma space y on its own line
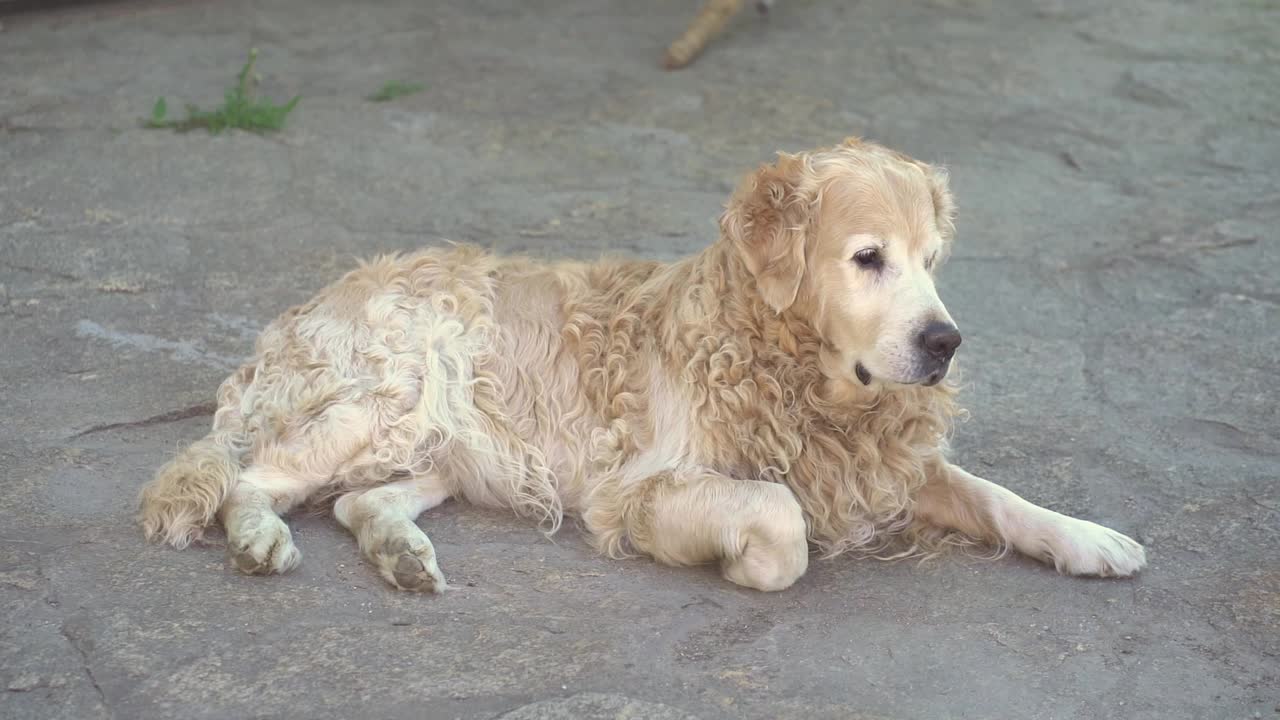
411, 573
263, 547
410, 566
246, 563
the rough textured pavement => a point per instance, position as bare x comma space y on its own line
1116, 277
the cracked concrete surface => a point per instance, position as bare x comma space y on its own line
1115, 273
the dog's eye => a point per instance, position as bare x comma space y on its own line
868, 258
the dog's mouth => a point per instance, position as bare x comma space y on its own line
861, 371
933, 378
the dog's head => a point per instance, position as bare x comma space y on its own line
849, 239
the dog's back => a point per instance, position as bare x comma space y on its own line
488, 370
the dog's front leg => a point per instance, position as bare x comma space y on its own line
957, 500
754, 529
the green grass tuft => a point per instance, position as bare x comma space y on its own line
393, 90
240, 110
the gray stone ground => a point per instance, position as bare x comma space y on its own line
1116, 276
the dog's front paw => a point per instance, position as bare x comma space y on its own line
773, 551
1080, 547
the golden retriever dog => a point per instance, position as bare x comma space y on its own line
781, 391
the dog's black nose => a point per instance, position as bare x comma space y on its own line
940, 340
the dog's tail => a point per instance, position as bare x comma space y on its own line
186, 493
184, 497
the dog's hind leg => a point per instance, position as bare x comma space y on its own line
382, 519
711, 19
258, 540
282, 474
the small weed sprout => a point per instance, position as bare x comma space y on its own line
241, 110
393, 90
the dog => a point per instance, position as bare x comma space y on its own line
783, 392
710, 21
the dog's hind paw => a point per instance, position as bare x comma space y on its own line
407, 560
259, 543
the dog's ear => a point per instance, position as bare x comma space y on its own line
944, 206
767, 220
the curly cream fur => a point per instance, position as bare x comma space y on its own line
668, 405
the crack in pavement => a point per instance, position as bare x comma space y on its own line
85, 665
199, 410
40, 271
